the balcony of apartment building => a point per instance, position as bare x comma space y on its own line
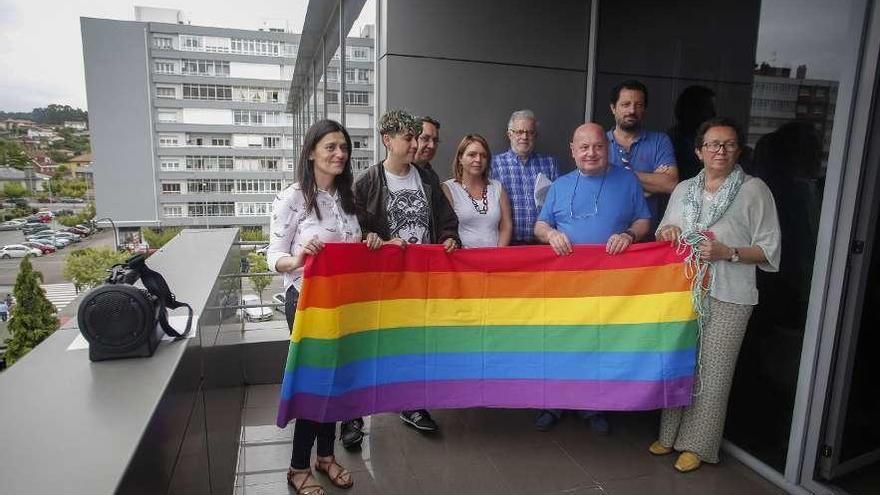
198, 417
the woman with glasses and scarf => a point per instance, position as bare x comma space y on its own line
482, 206
727, 220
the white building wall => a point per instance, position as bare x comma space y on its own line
254, 71
207, 116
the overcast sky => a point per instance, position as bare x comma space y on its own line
41, 48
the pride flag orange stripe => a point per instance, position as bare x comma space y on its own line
337, 290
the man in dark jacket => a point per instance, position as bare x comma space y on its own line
402, 203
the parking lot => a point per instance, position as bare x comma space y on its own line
50, 265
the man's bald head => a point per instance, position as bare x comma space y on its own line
589, 148
589, 129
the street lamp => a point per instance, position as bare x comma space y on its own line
115, 232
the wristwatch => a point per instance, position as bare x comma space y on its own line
734, 258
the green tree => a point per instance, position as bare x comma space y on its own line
12, 154
14, 190
63, 170
158, 238
258, 266
84, 216
253, 235
33, 316
88, 267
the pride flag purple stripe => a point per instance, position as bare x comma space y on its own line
538, 394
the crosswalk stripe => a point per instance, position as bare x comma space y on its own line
60, 295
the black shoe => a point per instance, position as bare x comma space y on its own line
352, 433
420, 420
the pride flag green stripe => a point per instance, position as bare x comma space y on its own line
645, 337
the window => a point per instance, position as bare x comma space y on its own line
162, 42
256, 47
216, 45
214, 68
191, 43
357, 98
271, 141
256, 117
170, 188
220, 142
253, 209
163, 67
357, 53
206, 92
332, 74
257, 186
167, 140
290, 50
364, 75
172, 211
170, 165
332, 97
208, 163
167, 116
166, 92
360, 163
201, 186
360, 142
349, 75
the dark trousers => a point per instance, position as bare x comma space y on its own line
305, 431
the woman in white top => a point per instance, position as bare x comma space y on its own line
318, 208
482, 206
729, 221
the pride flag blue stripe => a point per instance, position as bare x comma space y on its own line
596, 366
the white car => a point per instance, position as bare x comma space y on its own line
18, 251
279, 299
261, 313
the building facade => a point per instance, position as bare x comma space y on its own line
188, 123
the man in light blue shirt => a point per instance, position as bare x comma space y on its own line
595, 204
649, 154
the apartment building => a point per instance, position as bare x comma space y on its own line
188, 122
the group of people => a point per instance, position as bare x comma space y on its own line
614, 197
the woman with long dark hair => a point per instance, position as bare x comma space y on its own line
318, 208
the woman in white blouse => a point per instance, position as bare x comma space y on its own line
482, 206
318, 208
729, 220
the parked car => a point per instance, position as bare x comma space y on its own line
33, 228
89, 230
18, 251
279, 298
261, 313
77, 231
62, 212
45, 248
71, 200
58, 242
45, 213
10, 225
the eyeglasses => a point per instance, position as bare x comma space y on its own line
523, 132
426, 140
591, 212
715, 147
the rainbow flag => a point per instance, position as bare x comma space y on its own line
517, 327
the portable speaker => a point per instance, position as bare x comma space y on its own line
119, 321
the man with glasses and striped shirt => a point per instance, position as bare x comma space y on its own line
518, 170
595, 204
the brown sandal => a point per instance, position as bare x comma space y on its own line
303, 488
326, 466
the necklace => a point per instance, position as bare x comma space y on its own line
481, 209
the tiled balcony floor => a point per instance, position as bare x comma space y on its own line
486, 452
